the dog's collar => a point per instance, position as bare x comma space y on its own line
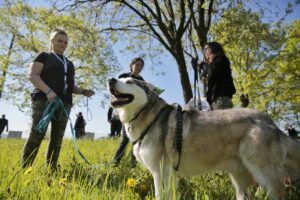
145, 106
136, 116
148, 104
151, 124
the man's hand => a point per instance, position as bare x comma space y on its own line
51, 96
88, 93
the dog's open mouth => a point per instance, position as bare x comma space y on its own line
120, 99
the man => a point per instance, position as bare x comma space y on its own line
292, 132
3, 124
115, 123
80, 126
53, 76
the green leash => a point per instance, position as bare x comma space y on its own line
42, 126
48, 114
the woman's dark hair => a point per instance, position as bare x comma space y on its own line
216, 48
136, 60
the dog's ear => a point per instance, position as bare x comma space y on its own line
151, 86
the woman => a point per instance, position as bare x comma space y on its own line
52, 74
220, 83
136, 67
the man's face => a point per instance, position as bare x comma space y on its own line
59, 44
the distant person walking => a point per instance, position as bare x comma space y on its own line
79, 126
52, 75
3, 124
115, 123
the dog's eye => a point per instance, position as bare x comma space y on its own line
130, 82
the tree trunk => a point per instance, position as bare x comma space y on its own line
184, 77
5, 65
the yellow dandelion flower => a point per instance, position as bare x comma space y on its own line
131, 182
27, 182
62, 182
28, 171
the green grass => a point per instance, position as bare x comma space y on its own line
77, 180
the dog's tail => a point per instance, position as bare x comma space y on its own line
292, 164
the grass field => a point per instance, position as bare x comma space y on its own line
77, 180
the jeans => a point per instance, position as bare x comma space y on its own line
121, 150
222, 103
115, 128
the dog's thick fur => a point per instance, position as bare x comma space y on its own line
243, 142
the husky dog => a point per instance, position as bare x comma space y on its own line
243, 142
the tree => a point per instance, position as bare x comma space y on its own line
93, 58
166, 21
248, 43
179, 25
283, 100
261, 57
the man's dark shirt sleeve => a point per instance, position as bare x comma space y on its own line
41, 58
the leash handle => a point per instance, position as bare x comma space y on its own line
88, 111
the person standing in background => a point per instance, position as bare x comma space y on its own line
115, 123
79, 126
3, 124
136, 67
220, 82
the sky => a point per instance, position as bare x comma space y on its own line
98, 124
18, 121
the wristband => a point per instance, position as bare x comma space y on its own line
48, 92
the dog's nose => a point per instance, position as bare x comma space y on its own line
112, 81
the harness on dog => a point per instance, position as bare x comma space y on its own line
164, 109
179, 128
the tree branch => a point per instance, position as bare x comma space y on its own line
210, 8
127, 29
160, 24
